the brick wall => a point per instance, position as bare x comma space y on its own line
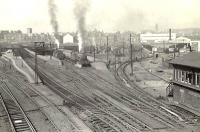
186, 97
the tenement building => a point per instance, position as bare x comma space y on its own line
186, 80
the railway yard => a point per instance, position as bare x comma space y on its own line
99, 66
76, 99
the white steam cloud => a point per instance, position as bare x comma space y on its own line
80, 10
53, 19
80, 43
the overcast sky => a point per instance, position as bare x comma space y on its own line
107, 15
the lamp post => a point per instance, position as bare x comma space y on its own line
131, 56
175, 51
94, 54
115, 63
107, 48
141, 52
123, 46
36, 65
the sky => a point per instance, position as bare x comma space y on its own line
106, 15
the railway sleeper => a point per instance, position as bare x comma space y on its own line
18, 118
13, 111
22, 129
21, 123
97, 121
133, 122
12, 107
93, 119
104, 125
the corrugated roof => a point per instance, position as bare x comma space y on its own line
191, 60
181, 40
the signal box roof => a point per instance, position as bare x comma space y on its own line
190, 60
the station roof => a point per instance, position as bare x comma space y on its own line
182, 40
191, 60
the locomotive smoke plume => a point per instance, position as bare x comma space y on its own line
53, 18
80, 10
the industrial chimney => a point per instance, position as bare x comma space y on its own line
170, 34
29, 31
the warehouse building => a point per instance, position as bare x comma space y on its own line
69, 42
157, 38
195, 45
181, 40
185, 88
68, 38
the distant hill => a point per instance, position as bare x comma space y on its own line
187, 30
191, 33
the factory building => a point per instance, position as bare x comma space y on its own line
29, 31
157, 38
69, 42
186, 42
182, 44
185, 87
68, 39
181, 40
195, 45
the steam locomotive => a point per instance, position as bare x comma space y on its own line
72, 56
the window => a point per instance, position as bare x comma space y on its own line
179, 75
183, 76
176, 71
197, 79
189, 78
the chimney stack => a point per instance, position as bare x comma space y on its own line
170, 34
29, 31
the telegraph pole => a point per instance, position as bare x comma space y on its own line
115, 37
164, 45
115, 63
94, 54
36, 65
51, 50
123, 46
131, 57
141, 52
175, 51
107, 47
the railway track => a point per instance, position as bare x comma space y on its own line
25, 87
30, 93
80, 104
130, 115
118, 97
86, 104
123, 119
147, 98
187, 116
103, 116
174, 115
124, 98
136, 103
18, 119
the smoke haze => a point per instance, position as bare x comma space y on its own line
53, 19
80, 10
52, 13
106, 15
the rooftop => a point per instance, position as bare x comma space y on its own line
191, 60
